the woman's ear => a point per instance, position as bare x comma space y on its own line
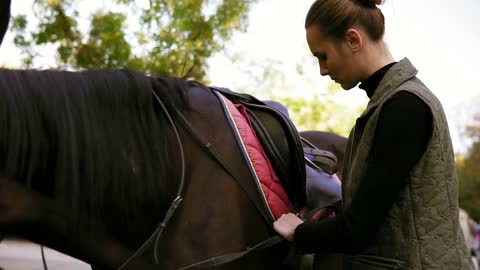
354, 39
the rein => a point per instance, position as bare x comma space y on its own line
215, 261
175, 203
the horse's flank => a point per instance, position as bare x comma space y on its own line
96, 149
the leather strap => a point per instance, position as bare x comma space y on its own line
207, 147
217, 261
323, 160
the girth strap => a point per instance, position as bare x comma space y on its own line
217, 261
322, 159
325, 160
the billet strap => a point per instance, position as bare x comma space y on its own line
323, 160
318, 152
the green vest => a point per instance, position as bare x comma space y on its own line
422, 230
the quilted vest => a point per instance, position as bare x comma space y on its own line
422, 230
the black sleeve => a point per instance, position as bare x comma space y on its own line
403, 131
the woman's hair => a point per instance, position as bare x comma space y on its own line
4, 17
335, 17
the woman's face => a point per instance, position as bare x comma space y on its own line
334, 57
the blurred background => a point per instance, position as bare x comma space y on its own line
259, 47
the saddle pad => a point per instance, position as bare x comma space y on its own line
271, 191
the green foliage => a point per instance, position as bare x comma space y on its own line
469, 173
20, 23
167, 36
473, 130
106, 46
320, 112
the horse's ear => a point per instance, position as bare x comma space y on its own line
4, 17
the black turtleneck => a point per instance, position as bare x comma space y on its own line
403, 130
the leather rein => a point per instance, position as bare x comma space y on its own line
156, 235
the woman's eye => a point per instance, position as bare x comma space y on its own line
321, 57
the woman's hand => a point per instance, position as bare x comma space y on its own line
286, 225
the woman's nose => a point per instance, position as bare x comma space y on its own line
323, 71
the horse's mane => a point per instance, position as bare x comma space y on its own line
90, 139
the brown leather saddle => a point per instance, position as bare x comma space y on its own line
280, 141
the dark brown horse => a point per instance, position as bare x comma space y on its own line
91, 164
98, 164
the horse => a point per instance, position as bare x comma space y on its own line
96, 164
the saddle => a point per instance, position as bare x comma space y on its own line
280, 141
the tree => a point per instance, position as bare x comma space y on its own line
473, 130
321, 112
469, 172
165, 36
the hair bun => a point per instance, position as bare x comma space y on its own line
370, 3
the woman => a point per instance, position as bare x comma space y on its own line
400, 201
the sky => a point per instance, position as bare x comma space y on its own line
439, 37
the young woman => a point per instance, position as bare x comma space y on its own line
400, 201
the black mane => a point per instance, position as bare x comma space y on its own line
90, 139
